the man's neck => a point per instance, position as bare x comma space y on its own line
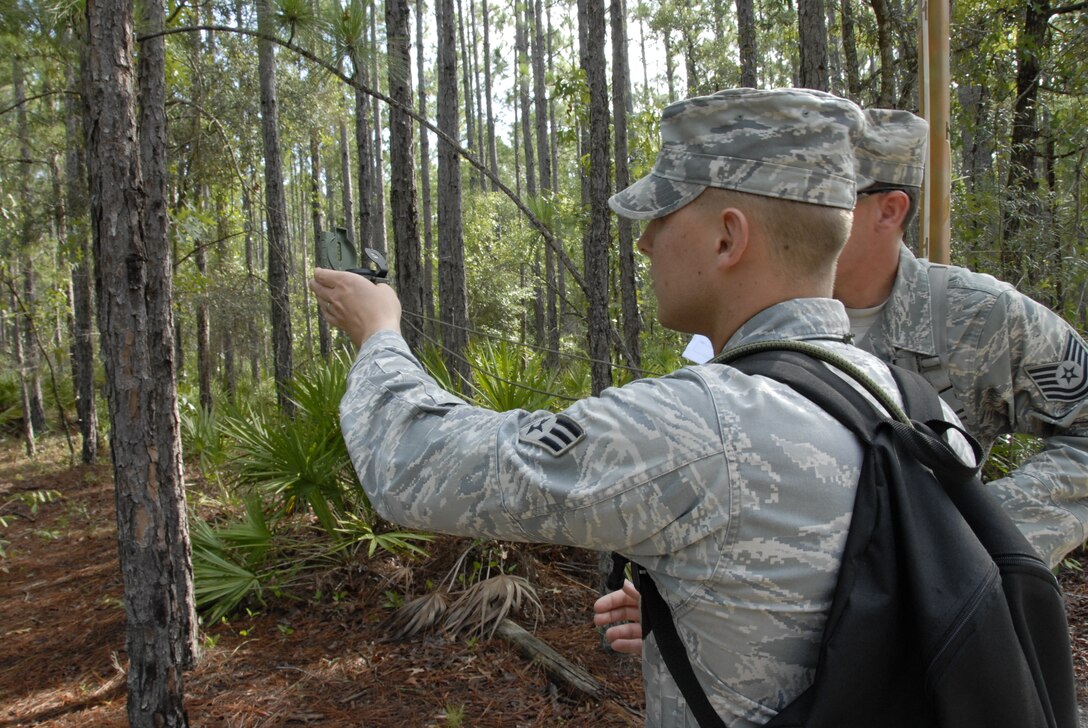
869, 283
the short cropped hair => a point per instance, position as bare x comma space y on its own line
806, 238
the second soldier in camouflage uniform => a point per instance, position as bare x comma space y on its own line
1005, 362
732, 490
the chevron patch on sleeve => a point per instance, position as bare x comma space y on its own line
554, 433
1066, 380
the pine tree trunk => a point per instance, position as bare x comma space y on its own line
160, 321
549, 311
402, 165
276, 205
346, 198
377, 221
324, 335
28, 373
812, 30
151, 529
886, 96
850, 51
621, 89
425, 178
467, 59
364, 161
521, 36
595, 240
746, 37
78, 204
492, 154
452, 293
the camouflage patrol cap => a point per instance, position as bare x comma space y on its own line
793, 144
892, 151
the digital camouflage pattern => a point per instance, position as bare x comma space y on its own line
1014, 366
732, 490
892, 151
793, 144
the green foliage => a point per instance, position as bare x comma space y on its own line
507, 377
1008, 453
29, 500
226, 562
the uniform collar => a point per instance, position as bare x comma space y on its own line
908, 318
798, 319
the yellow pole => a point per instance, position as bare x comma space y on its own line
938, 93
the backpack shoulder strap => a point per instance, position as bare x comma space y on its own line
795, 367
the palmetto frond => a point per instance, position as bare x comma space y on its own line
480, 608
417, 615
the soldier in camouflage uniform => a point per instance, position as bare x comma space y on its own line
1003, 361
734, 492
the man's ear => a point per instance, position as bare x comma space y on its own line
734, 237
894, 206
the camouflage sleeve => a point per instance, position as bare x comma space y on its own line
1031, 377
600, 474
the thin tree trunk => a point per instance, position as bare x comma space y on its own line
746, 36
345, 190
467, 59
886, 96
378, 237
78, 203
324, 335
850, 51
365, 165
549, 310
452, 292
151, 528
492, 154
28, 373
522, 42
425, 171
276, 204
621, 85
595, 241
813, 41
402, 183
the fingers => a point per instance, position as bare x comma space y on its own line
355, 305
621, 605
625, 638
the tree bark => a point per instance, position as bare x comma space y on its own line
492, 154
29, 377
886, 96
812, 29
621, 89
467, 58
850, 51
78, 204
276, 204
402, 183
377, 221
324, 335
160, 319
746, 37
425, 172
452, 292
595, 240
1023, 182
364, 161
152, 536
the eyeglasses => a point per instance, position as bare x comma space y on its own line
876, 190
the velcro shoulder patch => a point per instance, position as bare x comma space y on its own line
1065, 380
555, 433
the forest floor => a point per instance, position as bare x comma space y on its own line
295, 662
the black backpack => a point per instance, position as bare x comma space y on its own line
943, 615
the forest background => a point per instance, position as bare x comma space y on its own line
472, 142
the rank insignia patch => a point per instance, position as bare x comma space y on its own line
1066, 380
554, 433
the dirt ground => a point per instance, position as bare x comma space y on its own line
295, 662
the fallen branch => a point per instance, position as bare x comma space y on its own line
576, 680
